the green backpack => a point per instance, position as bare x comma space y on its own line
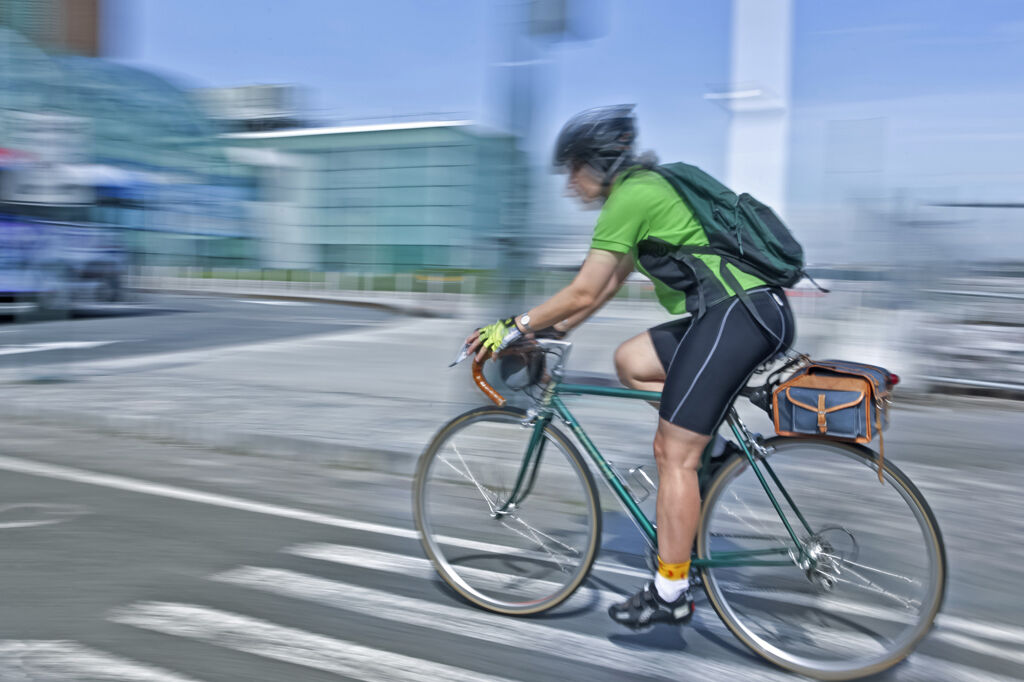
740, 229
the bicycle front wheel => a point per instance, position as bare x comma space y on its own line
511, 538
871, 579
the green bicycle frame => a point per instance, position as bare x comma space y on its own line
551, 404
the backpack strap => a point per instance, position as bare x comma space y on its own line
819, 287
741, 294
661, 248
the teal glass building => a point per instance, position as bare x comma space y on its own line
384, 198
102, 142
133, 152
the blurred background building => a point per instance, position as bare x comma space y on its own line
251, 108
230, 177
87, 140
379, 198
894, 160
56, 25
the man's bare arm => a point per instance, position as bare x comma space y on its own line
614, 284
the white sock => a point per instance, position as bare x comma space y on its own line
669, 590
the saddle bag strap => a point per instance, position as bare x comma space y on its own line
881, 441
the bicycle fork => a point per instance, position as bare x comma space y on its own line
529, 468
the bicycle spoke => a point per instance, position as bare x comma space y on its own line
518, 558
489, 497
878, 589
535, 535
912, 581
866, 583
759, 531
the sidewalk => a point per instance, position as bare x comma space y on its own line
408, 303
370, 398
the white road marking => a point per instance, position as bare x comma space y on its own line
64, 661
943, 623
991, 630
272, 302
921, 668
47, 514
262, 638
64, 473
971, 644
493, 628
516, 551
384, 333
838, 604
941, 629
313, 589
375, 560
998, 631
56, 345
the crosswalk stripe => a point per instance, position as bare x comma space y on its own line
64, 661
990, 630
516, 551
941, 630
377, 560
972, 644
1003, 632
839, 605
923, 667
262, 638
514, 632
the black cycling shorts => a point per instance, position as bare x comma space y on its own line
708, 361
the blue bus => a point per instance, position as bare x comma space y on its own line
56, 266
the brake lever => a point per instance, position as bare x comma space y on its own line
463, 354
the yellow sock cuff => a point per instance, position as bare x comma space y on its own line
673, 571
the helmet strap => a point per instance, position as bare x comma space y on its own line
610, 174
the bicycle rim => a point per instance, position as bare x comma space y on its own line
877, 579
529, 558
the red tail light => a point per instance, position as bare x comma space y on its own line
893, 379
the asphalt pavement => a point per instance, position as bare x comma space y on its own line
227, 498
159, 323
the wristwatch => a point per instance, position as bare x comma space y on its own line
524, 320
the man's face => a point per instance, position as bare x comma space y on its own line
584, 183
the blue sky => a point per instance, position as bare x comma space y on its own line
396, 57
922, 96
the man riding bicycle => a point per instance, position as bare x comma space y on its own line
698, 362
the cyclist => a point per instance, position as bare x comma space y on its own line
699, 361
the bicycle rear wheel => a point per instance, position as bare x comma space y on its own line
530, 556
876, 573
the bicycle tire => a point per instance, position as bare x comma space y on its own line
526, 574
877, 603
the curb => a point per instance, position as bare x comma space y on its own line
334, 453
400, 308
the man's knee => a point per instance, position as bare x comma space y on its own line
637, 363
678, 448
623, 365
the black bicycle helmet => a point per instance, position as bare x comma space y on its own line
601, 138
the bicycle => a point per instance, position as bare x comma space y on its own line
832, 576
